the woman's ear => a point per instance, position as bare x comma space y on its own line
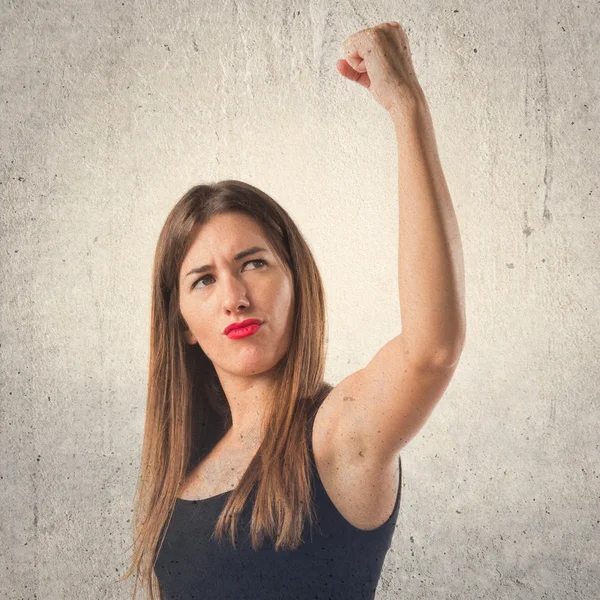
189, 337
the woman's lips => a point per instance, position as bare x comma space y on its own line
242, 332
244, 323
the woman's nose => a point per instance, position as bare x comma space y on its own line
234, 293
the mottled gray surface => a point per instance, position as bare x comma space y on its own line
112, 110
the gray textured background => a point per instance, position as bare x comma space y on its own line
112, 110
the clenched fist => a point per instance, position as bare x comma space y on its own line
379, 59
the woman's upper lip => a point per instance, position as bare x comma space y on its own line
238, 324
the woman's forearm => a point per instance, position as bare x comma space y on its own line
431, 278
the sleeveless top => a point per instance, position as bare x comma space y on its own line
336, 560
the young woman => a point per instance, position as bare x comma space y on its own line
260, 480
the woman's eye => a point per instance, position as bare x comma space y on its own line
256, 260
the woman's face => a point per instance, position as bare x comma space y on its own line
255, 286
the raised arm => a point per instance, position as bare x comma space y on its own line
374, 412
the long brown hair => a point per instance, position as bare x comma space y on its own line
187, 411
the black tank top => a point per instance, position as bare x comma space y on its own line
335, 561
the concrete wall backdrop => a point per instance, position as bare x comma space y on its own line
112, 110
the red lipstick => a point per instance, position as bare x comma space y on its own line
242, 328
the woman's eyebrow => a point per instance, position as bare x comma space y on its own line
237, 257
